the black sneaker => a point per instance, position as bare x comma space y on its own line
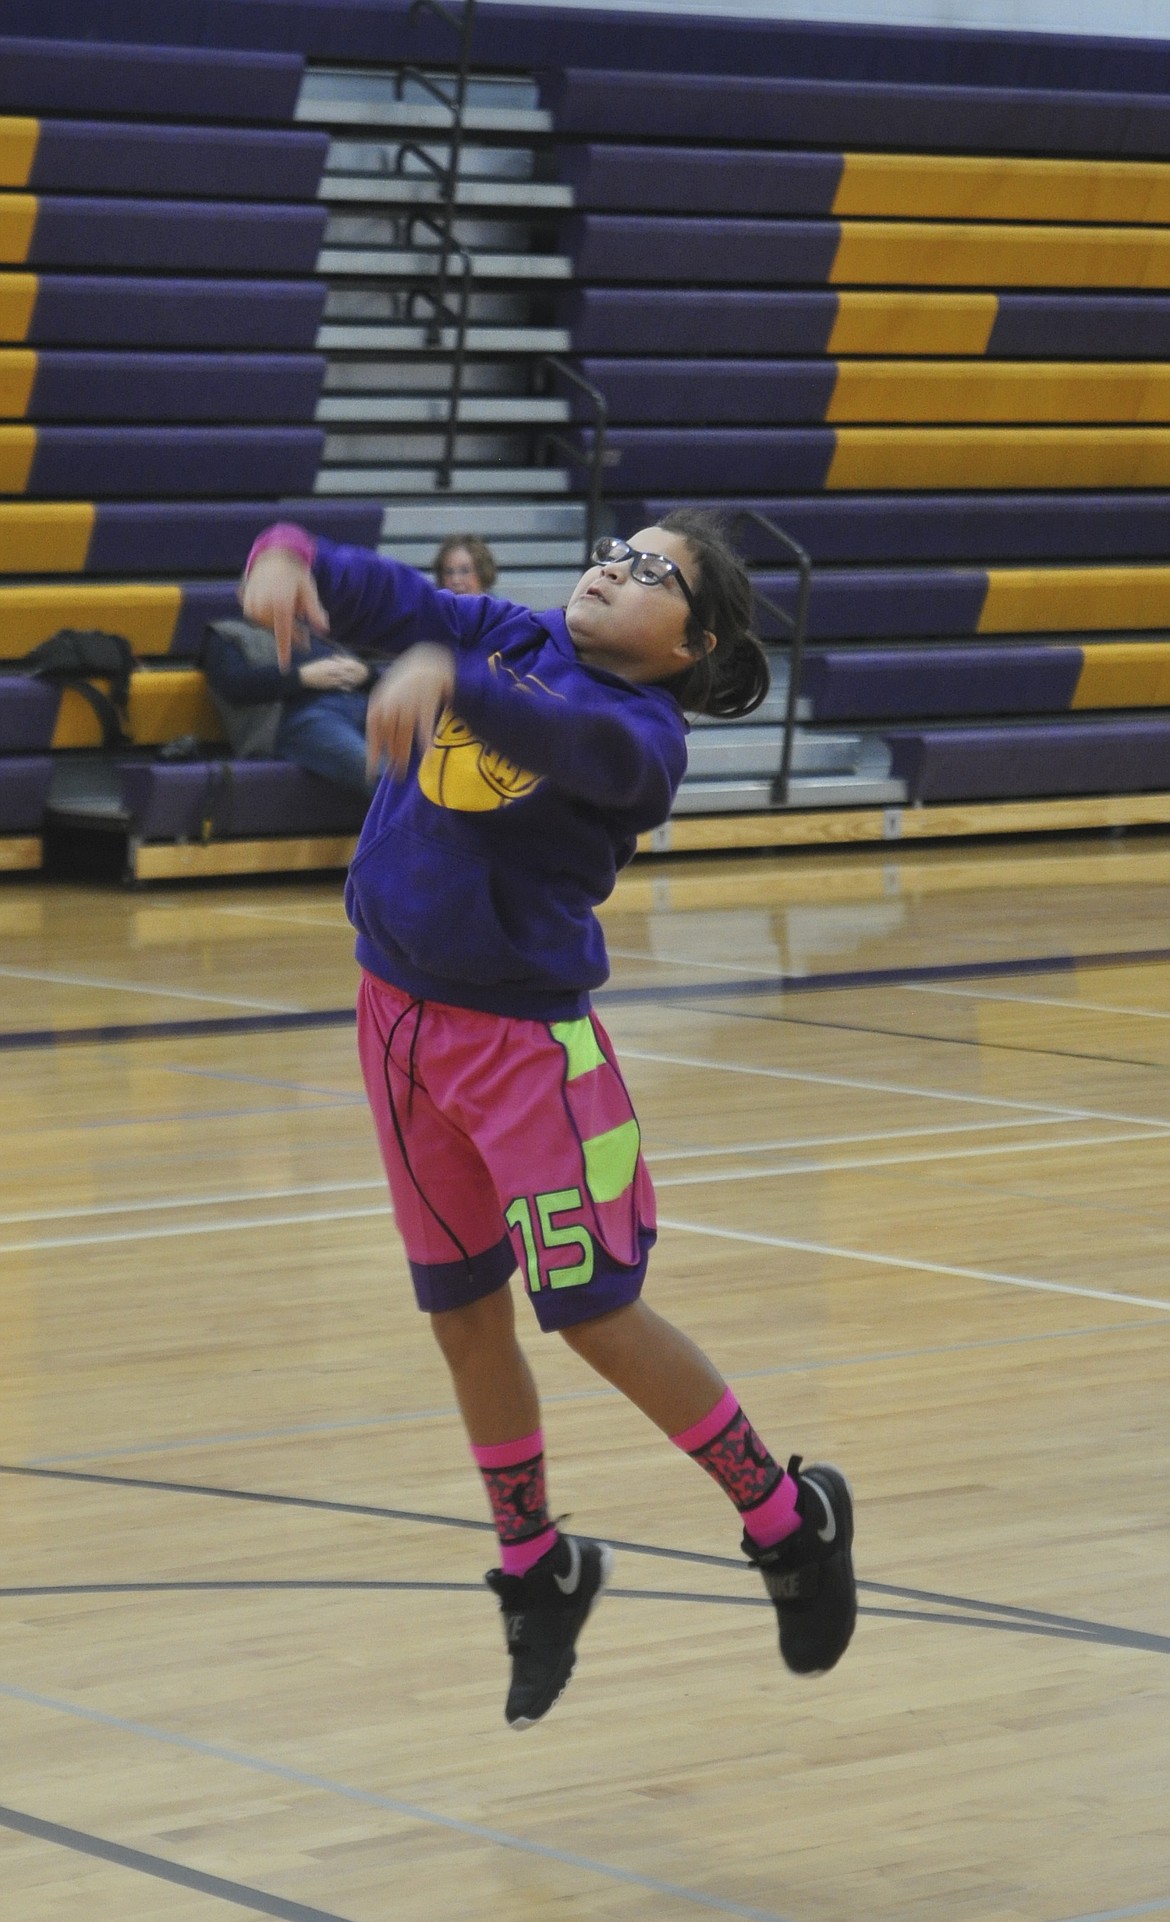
809, 1575
544, 1612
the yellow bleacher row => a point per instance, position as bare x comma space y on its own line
165, 703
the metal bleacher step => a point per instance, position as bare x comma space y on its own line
505, 410
406, 339
334, 97
371, 483
538, 586
512, 556
735, 749
404, 190
817, 791
402, 263
375, 157
430, 117
456, 513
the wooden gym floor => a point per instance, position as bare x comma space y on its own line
909, 1116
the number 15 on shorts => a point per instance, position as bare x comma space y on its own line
545, 1233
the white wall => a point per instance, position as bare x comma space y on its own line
1138, 19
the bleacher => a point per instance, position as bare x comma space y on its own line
905, 294
158, 385
922, 328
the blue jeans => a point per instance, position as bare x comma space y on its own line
327, 735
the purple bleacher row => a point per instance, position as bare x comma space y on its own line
895, 528
171, 801
28, 714
1025, 759
183, 235
631, 320
519, 37
130, 387
24, 790
114, 311
80, 463
55, 76
618, 177
832, 113
218, 163
853, 684
948, 682
213, 537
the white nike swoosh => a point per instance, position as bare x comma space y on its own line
568, 1583
828, 1533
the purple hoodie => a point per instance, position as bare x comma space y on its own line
476, 877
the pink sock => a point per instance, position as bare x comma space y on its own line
727, 1446
513, 1474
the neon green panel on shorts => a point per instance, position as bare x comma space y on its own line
610, 1161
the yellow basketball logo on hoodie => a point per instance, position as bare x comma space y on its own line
461, 772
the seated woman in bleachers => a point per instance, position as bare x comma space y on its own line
465, 565
314, 715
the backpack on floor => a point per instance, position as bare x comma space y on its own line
74, 657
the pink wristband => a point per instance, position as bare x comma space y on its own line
286, 535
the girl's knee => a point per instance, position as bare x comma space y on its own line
475, 1329
601, 1334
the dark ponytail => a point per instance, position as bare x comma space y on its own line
732, 678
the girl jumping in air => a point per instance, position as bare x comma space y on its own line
523, 754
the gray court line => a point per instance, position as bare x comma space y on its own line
182, 1116
147, 989
1019, 1624
238, 1438
392, 1805
1037, 1618
261, 1081
1159, 1907
258, 1900
912, 1263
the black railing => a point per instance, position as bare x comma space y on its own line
442, 223
796, 625
457, 321
594, 457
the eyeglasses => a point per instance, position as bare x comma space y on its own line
649, 570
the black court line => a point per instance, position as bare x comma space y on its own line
24, 1038
258, 1900
1001, 1615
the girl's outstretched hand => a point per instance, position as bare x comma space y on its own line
405, 705
279, 592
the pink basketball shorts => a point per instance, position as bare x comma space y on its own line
507, 1143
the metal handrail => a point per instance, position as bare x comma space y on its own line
597, 458
797, 625
443, 225
457, 320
